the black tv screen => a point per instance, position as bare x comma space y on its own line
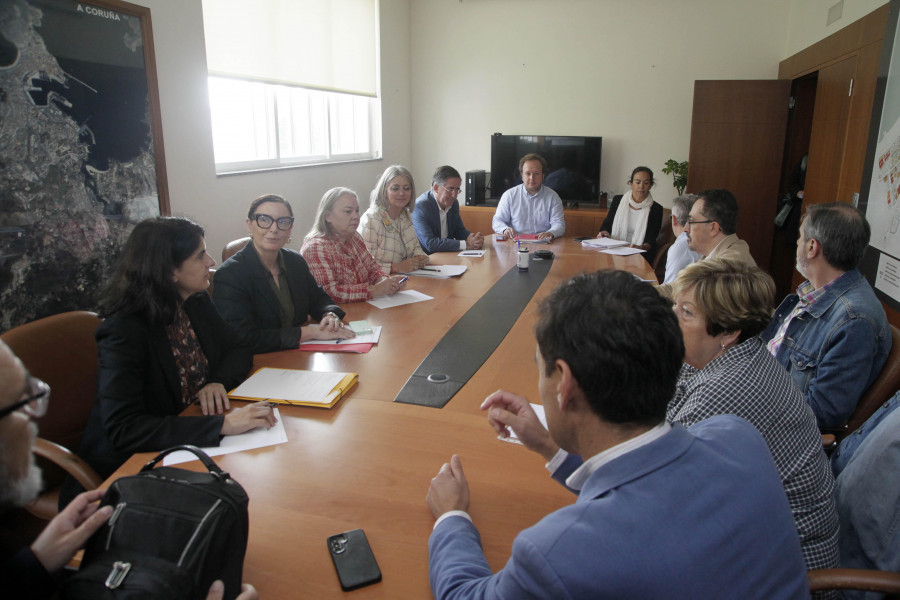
573, 164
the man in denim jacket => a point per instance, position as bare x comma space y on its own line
832, 335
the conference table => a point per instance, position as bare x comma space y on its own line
367, 462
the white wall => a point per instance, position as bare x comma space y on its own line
620, 69
220, 203
809, 18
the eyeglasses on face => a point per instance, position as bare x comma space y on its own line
451, 190
34, 400
690, 222
265, 221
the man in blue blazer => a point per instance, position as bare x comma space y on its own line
662, 511
436, 216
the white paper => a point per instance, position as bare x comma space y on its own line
369, 338
606, 242
439, 271
623, 251
472, 253
539, 411
399, 299
289, 384
255, 438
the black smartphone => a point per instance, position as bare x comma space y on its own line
353, 559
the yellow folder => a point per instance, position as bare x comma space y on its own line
295, 386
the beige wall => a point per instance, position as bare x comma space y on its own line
621, 69
808, 18
455, 72
220, 203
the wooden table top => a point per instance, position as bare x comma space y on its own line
367, 462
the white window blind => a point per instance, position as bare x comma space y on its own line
319, 44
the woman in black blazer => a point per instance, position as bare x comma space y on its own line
266, 291
161, 347
639, 225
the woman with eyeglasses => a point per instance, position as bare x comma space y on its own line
162, 347
387, 226
266, 291
639, 222
722, 306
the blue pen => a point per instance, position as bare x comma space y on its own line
339, 340
404, 279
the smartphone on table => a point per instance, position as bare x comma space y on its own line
353, 559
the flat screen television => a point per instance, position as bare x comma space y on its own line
573, 164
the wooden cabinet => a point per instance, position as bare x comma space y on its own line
580, 222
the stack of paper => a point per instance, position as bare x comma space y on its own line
293, 386
358, 345
603, 243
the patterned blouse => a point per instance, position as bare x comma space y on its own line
344, 269
190, 361
747, 382
388, 240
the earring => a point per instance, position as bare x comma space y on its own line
723, 344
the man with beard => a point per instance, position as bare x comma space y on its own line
34, 571
832, 335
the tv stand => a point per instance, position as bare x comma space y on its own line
581, 221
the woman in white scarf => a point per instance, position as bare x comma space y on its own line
640, 224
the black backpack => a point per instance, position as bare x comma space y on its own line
172, 533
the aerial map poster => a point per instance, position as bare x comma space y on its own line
880, 193
80, 149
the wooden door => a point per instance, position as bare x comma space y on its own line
829, 133
737, 142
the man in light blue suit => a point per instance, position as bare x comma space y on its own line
662, 511
436, 216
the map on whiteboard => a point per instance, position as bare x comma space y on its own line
883, 208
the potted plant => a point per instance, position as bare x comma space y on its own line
679, 172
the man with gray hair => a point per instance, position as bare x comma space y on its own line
680, 255
832, 335
436, 216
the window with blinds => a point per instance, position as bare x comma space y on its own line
292, 82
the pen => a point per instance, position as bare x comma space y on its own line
405, 277
429, 269
339, 340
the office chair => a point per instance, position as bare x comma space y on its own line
233, 247
62, 351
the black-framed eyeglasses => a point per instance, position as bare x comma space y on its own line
452, 190
693, 222
34, 402
265, 221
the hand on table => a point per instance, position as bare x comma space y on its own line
68, 532
603, 234
449, 489
329, 328
509, 233
475, 241
217, 591
213, 399
544, 235
412, 263
510, 411
258, 414
388, 286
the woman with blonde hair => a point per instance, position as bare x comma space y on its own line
387, 227
337, 255
722, 306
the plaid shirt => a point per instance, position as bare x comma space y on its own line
344, 269
388, 240
806, 295
747, 382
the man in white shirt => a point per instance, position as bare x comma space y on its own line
530, 207
680, 255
